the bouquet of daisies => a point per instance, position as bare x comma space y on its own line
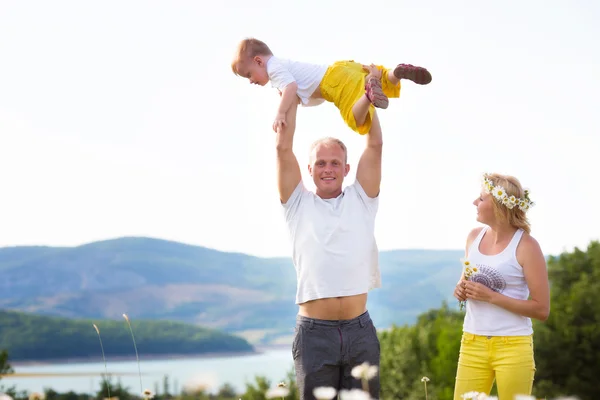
468, 270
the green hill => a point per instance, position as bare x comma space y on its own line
162, 280
34, 337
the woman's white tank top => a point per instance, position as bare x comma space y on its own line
503, 274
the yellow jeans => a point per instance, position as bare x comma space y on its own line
344, 84
507, 359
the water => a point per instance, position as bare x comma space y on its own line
212, 371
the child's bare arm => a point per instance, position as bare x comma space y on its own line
285, 82
288, 98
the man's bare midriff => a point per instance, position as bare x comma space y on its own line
335, 308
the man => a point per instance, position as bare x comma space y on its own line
335, 256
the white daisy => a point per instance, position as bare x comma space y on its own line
148, 394
277, 392
364, 371
506, 202
499, 192
324, 392
354, 394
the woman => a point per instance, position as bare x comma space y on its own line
505, 285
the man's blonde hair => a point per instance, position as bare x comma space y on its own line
328, 141
248, 49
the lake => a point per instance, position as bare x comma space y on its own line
213, 371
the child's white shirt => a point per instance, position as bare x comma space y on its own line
308, 76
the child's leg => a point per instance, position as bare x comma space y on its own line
387, 85
344, 85
360, 110
373, 95
418, 75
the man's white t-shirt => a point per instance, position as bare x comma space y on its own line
333, 243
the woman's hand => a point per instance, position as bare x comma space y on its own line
477, 291
459, 291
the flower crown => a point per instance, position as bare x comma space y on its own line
500, 194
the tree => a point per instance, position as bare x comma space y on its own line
568, 343
116, 390
5, 367
226, 391
258, 390
428, 348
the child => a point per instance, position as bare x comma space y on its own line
344, 83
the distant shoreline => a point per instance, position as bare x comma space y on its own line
143, 357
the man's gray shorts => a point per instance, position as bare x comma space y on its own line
326, 351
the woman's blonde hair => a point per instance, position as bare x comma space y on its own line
514, 216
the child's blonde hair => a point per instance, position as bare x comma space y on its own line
248, 49
515, 216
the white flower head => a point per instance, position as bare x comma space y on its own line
524, 397
324, 392
424, 379
277, 392
4, 396
354, 394
365, 371
499, 192
506, 201
511, 201
470, 395
148, 394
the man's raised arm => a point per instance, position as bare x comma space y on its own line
288, 170
368, 173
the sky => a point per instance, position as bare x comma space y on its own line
123, 118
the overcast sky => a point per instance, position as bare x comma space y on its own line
122, 118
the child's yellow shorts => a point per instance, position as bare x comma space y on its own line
344, 84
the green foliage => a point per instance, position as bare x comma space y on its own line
428, 348
257, 390
33, 337
5, 367
567, 345
116, 390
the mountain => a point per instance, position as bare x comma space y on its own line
163, 280
34, 337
